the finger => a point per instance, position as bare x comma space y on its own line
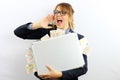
49, 67
44, 76
50, 18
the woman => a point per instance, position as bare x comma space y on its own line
62, 19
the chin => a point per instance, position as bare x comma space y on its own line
60, 27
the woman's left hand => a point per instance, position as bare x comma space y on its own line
53, 74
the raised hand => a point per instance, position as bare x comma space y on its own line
43, 23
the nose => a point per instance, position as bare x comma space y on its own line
58, 14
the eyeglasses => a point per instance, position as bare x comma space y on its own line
62, 13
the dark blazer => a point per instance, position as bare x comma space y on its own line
25, 33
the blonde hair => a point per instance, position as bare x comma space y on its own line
67, 8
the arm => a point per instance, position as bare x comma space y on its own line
73, 73
35, 30
24, 32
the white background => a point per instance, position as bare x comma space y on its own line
98, 20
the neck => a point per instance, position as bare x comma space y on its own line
65, 27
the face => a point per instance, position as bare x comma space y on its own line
61, 19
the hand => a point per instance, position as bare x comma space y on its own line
53, 74
43, 23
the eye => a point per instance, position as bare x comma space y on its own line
60, 12
56, 11
63, 12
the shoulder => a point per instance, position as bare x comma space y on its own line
82, 39
84, 43
80, 36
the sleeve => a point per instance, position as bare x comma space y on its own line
74, 73
36, 75
24, 32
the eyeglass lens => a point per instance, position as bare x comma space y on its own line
60, 12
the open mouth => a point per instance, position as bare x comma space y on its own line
59, 21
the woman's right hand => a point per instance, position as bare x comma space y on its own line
43, 23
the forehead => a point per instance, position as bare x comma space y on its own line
62, 8
58, 8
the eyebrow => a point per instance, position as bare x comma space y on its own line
57, 10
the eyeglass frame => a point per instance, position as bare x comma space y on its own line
62, 13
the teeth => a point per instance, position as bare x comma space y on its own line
59, 21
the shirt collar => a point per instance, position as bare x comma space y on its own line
67, 31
